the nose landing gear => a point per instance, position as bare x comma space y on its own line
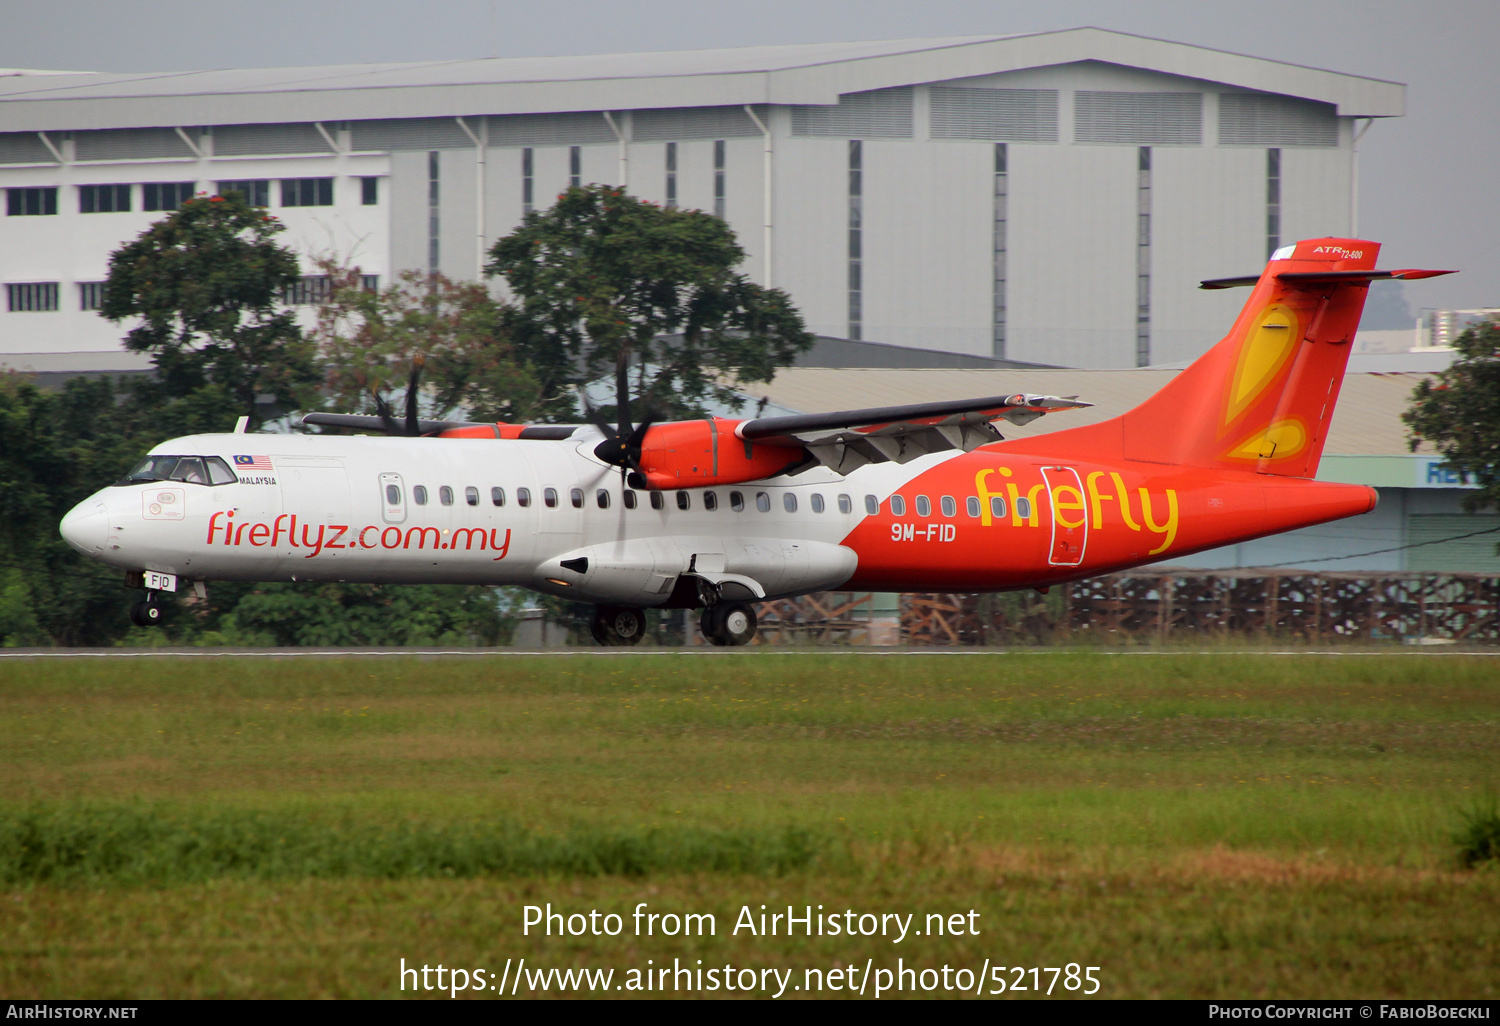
728, 623
618, 625
147, 611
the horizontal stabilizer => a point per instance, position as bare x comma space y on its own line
1317, 277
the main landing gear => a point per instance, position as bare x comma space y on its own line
618, 625
147, 611
728, 623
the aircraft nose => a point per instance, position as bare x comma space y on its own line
86, 527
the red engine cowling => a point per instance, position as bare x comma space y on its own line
698, 453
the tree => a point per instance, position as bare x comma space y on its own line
603, 276
1458, 411
56, 448
367, 339
207, 282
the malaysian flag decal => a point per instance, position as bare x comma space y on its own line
253, 462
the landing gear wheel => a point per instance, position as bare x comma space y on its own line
729, 623
618, 625
147, 612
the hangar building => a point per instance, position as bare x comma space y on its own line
1048, 199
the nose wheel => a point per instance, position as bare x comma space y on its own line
618, 625
147, 612
728, 623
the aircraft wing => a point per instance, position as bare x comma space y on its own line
848, 439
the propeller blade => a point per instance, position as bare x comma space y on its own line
417, 363
622, 391
383, 409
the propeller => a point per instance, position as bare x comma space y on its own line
411, 428
622, 443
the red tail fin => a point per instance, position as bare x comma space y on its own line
1262, 398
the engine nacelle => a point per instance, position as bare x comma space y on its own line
700, 453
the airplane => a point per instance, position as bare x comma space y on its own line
717, 514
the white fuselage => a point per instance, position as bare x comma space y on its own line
470, 511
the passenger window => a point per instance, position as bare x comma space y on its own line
972, 504
523, 496
471, 495
602, 498
949, 507
392, 495
445, 495
497, 496
549, 497
737, 501
789, 502
846, 505
898, 506
628, 498
1023, 507
871, 505
658, 500
997, 507
763, 502
817, 503
710, 501
575, 496
190, 471
924, 506
684, 500
419, 494
219, 472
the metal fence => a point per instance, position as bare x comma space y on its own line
1136, 608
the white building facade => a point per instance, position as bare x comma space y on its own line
1051, 199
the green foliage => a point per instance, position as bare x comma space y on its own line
368, 338
206, 283
602, 274
56, 449
366, 614
1458, 411
1479, 839
136, 844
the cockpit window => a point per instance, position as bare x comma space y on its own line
219, 472
189, 470
152, 468
203, 470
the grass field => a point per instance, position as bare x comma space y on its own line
1195, 825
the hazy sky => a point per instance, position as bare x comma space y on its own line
1427, 182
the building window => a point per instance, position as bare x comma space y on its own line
257, 191
434, 211
308, 290
526, 180
369, 282
1143, 258
671, 174
103, 199
30, 202
307, 192
1001, 214
90, 295
1273, 201
575, 166
369, 192
31, 297
165, 195
719, 178
856, 239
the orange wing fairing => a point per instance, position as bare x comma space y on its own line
700, 453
